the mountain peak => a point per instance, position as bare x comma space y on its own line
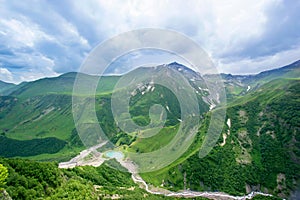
183, 69
175, 63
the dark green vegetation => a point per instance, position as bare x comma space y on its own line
260, 197
3, 175
45, 118
11, 147
261, 149
41, 112
43, 180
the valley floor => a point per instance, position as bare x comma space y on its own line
94, 158
88, 156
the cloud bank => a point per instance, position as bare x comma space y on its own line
47, 38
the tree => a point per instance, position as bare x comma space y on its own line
3, 175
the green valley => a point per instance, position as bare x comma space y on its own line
258, 149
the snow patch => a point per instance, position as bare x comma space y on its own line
148, 88
212, 106
229, 122
168, 108
248, 88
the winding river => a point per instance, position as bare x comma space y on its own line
94, 158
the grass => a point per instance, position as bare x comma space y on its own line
143, 145
64, 154
269, 156
64, 85
31, 118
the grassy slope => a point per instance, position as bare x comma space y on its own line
231, 167
63, 85
237, 86
41, 99
143, 145
43, 109
5, 86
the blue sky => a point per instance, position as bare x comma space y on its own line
46, 38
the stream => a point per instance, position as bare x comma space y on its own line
96, 158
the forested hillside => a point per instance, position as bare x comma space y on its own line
35, 180
258, 149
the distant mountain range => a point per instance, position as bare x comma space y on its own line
234, 83
258, 149
5, 87
238, 84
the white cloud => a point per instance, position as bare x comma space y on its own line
22, 33
235, 33
44, 47
5, 75
223, 28
34, 75
254, 66
37, 66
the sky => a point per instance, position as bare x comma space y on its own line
41, 38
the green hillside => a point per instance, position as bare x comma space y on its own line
239, 85
43, 110
36, 180
261, 150
62, 85
4, 87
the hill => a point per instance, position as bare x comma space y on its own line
5, 86
61, 85
42, 110
258, 149
36, 180
239, 85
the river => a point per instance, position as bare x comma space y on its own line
96, 158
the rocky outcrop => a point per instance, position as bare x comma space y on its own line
4, 195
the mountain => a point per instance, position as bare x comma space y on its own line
239, 85
38, 115
5, 86
187, 72
61, 85
40, 112
289, 71
258, 149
